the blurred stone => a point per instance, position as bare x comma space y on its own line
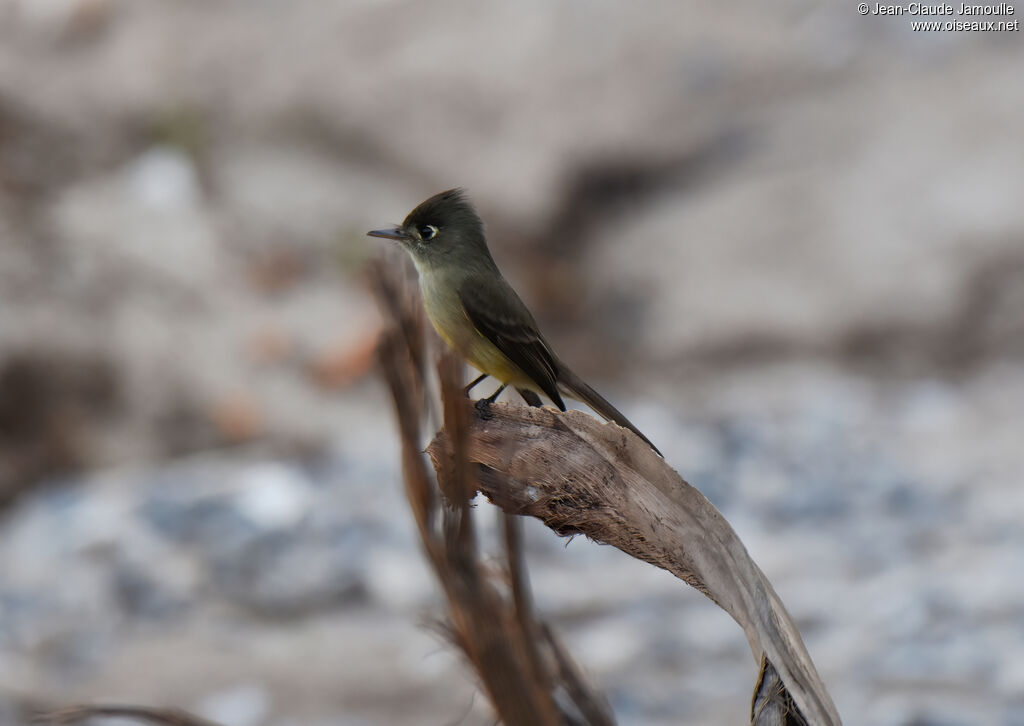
164, 178
273, 496
273, 576
141, 594
276, 271
337, 367
270, 346
236, 417
243, 705
398, 581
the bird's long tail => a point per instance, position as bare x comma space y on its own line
574, 386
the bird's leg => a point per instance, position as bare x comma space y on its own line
494, 396
531, 398
467, 389
484, 403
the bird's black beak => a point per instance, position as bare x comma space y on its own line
390, 233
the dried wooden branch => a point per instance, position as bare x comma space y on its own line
579, 475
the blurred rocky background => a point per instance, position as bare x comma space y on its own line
786, 238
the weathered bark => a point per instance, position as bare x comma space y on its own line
579, 475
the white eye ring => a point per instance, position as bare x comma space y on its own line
427, 232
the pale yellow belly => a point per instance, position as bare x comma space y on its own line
451, 323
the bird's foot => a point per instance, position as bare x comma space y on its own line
483, 409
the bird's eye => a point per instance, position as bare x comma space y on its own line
427, 232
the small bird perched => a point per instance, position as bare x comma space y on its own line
477, 312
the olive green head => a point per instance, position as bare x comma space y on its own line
442, 225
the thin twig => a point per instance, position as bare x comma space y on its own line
163, 716
592, 705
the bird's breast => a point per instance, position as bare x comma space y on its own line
446, 313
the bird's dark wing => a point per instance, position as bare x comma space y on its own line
505, 321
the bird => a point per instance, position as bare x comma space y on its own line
478, 314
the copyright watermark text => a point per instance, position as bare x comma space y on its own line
949, 17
